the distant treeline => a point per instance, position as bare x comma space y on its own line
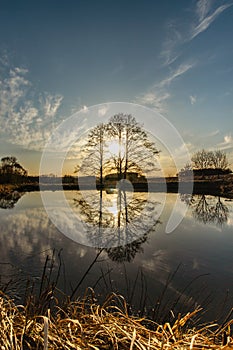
204, 172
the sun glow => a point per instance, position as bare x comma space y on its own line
114, 148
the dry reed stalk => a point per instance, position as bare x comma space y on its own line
85, 324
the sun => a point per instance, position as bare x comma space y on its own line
114, 147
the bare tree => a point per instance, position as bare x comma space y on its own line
219, 160
216, 160
136, 151
202, 159
94, 153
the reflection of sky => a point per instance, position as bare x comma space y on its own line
27, 235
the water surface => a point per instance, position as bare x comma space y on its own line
200, 249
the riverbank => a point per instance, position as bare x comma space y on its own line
85, 324
217, 187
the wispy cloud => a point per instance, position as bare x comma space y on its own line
203, 8
183, 68
205, 18
202, 16
51, 104
155, 99
159, 93
193, 99
227, 142
25, 120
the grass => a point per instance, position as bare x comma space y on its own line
85, 324
49, 319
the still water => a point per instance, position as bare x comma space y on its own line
158, 272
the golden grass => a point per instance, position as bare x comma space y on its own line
84, 324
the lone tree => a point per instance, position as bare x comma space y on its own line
11, 171
135, 150
120, 146
95, 153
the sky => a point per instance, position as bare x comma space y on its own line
59, 57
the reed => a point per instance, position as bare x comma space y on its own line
85, 324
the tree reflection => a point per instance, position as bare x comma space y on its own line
207, 209
8, 200
120, 222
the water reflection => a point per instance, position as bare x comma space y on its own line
8, 200
207, 209
27, 235
119, 220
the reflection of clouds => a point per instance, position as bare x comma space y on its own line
25, 232
29, 232
157, 262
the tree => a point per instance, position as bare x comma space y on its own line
133, 152
219, 160
94, 153
136, 151
203, 160
11, 171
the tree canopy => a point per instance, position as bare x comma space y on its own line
11, 171
210, 159
119, 146
206, 162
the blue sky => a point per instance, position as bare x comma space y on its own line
58, 56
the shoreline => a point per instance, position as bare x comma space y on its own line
220, 187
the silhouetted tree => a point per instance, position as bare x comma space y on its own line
94, 153
136, 151
202, 159
219, 160
133, 153
11, 171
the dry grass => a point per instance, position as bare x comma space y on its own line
84, 324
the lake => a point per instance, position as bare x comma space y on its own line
158, 273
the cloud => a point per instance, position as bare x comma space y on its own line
174, 38
183, 68
26, 118
204, 20
159, 94
193, 99
202, 9
155, 99
52, 104
227, 143
180, 33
